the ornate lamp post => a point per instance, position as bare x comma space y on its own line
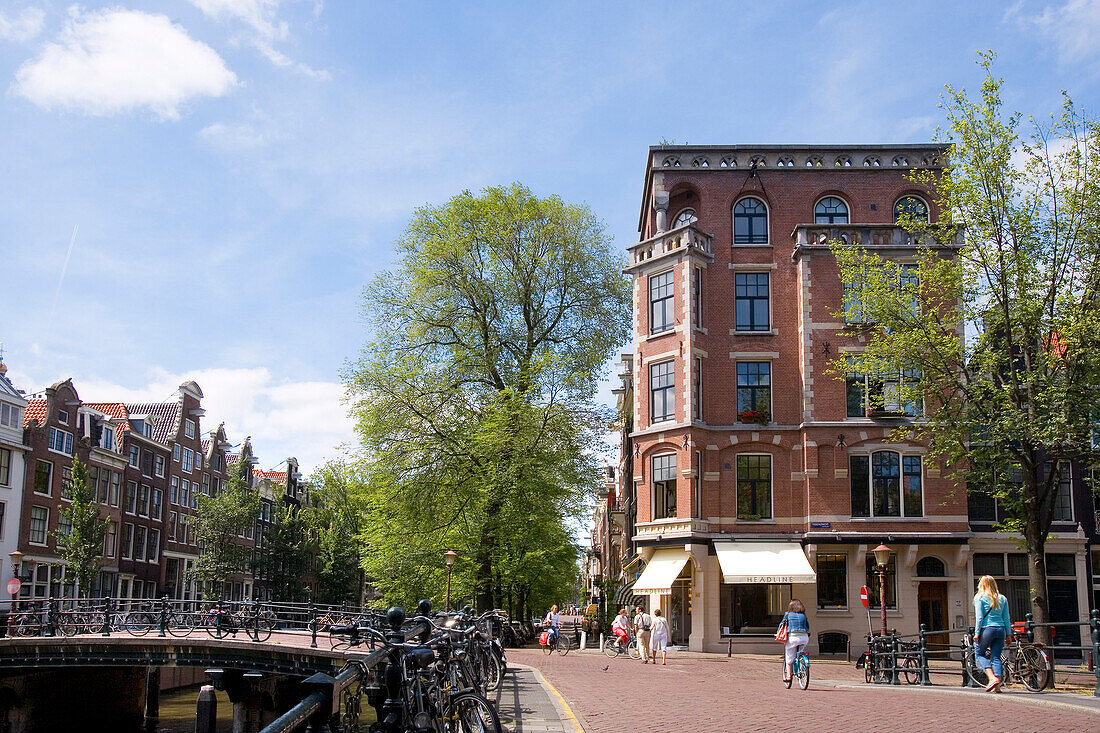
16, 565
882, 556
449, 558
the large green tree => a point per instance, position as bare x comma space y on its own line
998, 333
81, 546
474, 399
335, 520
219, 523
283, 555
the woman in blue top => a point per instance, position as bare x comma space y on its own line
798, 634
992, 627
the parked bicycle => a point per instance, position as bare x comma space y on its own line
1023, 661
221, 622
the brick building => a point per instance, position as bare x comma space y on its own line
759, 476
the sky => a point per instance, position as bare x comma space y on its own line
200, 189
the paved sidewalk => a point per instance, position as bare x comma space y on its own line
528, 704
746, 694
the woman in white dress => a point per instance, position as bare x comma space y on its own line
658, 639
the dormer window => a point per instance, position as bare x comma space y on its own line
147, 429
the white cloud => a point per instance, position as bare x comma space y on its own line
234, 137
23, 27
116, 61
307, 420
1072, 28
260, 16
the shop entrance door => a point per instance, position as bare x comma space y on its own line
679, 611
932, 601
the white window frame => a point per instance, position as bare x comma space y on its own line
45, 527
176, 452
5, 464
188, 461
66, 441
671, 326
189, 428
158, 466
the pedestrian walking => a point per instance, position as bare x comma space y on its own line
643, 623
658, 640
798, 634
991, 630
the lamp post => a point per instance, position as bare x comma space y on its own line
449, 558
16, 565
882, 556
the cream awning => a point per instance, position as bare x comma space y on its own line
764, 562
663, 568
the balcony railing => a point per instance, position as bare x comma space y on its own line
684, 239
675, 526
885, 236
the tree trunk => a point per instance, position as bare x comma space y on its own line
1036, 543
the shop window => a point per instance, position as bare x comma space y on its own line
832, 581
754, 487
664, 486
752, 608
872, 582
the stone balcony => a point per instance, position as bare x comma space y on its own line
686, 239
869, 236
672, 527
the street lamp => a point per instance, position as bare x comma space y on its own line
16, 564
449, 558
882, 556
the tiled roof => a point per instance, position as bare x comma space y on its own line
278, 477
165, 415
36, 410
116, 410
206, 447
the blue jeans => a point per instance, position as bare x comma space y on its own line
553, 633
992, 640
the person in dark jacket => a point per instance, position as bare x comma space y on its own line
798, 634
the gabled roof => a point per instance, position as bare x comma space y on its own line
36, 410
7, 389
166, 416
278, 477
115, 410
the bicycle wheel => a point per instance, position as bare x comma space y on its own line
65, 625
565, 643
264, 627
1032, 668
804, 672
494, 675
223, 625
977, 674
139, 623
469, 712
911, 670
634, 651
549, 648
611, 649
181, 624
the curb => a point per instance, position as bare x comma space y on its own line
564, 711
1021, 698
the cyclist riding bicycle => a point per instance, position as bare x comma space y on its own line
552, 623
798, 634
620, 628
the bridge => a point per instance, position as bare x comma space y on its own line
46, 682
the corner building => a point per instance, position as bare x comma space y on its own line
758, 474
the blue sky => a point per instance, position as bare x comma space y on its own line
236, 170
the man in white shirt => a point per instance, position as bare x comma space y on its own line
642, 625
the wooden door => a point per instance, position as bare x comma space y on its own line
932, 601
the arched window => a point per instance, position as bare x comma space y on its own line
831, 210
931, 567
686, 216
911, 207
750, 222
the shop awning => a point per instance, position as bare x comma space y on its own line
764, 562
663, 568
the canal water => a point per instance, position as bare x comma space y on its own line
177, 713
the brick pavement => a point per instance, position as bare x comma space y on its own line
746, 694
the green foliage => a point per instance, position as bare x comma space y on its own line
1001, 328
283, 557
335, 521
219, 523
82, 548
474, 401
